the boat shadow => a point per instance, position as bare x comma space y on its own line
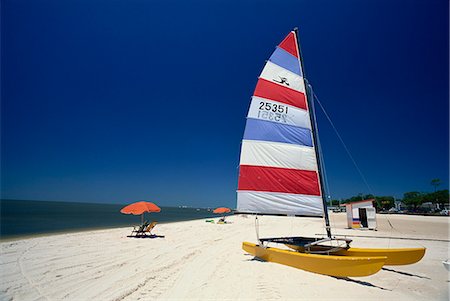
365, 283
255, 259
405, 273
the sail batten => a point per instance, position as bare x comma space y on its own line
278, 164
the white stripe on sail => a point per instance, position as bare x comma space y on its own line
265, 109
274, 154
284, 77
279, 203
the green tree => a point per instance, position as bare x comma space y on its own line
413, 198
359, 197
384, 202
334, 202
438, 197
435, 183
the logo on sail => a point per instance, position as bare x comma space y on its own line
283, 80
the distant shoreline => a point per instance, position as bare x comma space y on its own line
21, 219
10, 238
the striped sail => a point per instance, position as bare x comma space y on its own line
278, 171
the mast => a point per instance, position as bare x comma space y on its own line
314, 135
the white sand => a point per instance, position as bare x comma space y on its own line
198, 260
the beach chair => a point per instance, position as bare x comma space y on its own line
139, 229
222, 220
149, 228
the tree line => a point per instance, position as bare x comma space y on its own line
412, 199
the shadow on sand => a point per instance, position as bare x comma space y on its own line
365, 283
254, 258
405, 273
146, 236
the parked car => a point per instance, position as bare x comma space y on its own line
444, 212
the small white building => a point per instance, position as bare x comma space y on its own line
361, 215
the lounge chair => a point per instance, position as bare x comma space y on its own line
149, 229
139, 229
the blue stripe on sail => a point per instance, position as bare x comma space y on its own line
286, 60
256, 129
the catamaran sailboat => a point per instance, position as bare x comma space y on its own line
280, 173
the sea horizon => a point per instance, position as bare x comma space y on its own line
29, 218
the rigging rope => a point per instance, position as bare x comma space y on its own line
349, 154
343, 143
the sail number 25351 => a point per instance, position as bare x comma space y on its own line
276, 108
273, 112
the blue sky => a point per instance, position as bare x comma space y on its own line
115, 101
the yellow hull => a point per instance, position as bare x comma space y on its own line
394, 256
339, 266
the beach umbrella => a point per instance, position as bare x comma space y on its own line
222, 210
140, 208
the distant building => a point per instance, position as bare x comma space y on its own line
429, 207
336, 208
398, 204
361, 214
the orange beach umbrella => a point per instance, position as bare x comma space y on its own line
222, 210
140, 208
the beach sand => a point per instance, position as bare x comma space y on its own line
199, 260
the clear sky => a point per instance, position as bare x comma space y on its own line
120, 100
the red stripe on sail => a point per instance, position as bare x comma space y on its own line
289, 44
267, 89
276, 179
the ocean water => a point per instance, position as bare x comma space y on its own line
19, 218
